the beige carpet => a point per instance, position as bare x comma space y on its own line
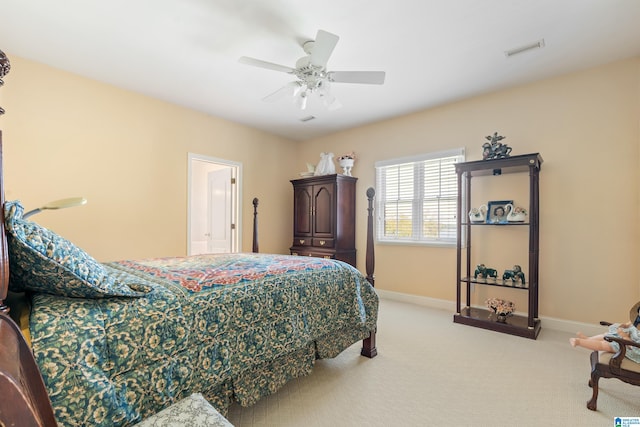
432, 372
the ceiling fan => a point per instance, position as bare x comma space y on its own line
312, 75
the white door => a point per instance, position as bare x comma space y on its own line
219, 224
214, 211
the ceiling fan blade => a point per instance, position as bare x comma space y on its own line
264, 64
364, 77
291, 89
323, 48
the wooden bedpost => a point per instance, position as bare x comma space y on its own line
4, 251
370, 257
255, 225
369, 344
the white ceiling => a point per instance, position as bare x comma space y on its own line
433, 51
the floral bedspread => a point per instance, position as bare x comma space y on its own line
232, 327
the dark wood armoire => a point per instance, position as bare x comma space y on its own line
324, 217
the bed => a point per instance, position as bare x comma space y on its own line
117, 342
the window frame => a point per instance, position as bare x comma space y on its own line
417, 201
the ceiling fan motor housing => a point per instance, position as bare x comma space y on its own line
311, 76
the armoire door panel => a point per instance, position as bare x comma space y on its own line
302, 212
324, 215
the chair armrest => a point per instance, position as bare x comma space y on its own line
616, 360
621, 341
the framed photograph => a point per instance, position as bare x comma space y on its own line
496, 211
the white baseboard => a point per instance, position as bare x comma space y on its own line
562, 325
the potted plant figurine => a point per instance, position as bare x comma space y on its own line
502, 308
346, 162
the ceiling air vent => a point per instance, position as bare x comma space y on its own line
307, 118
537, 45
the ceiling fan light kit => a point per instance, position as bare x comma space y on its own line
302, 100
313, 77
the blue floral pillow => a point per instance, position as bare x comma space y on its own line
42, 261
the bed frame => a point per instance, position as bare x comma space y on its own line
24, 395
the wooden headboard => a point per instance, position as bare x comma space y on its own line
4, 255
24, 396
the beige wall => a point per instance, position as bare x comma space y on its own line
587, 128
127, 154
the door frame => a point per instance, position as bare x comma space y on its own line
236, 208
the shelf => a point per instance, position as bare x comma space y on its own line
497, 282
514, 164
485, 319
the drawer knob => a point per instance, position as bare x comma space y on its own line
322, 242
301, 241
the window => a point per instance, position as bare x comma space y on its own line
417, 198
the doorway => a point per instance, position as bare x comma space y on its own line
213, 205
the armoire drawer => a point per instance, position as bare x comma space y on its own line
323, 243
